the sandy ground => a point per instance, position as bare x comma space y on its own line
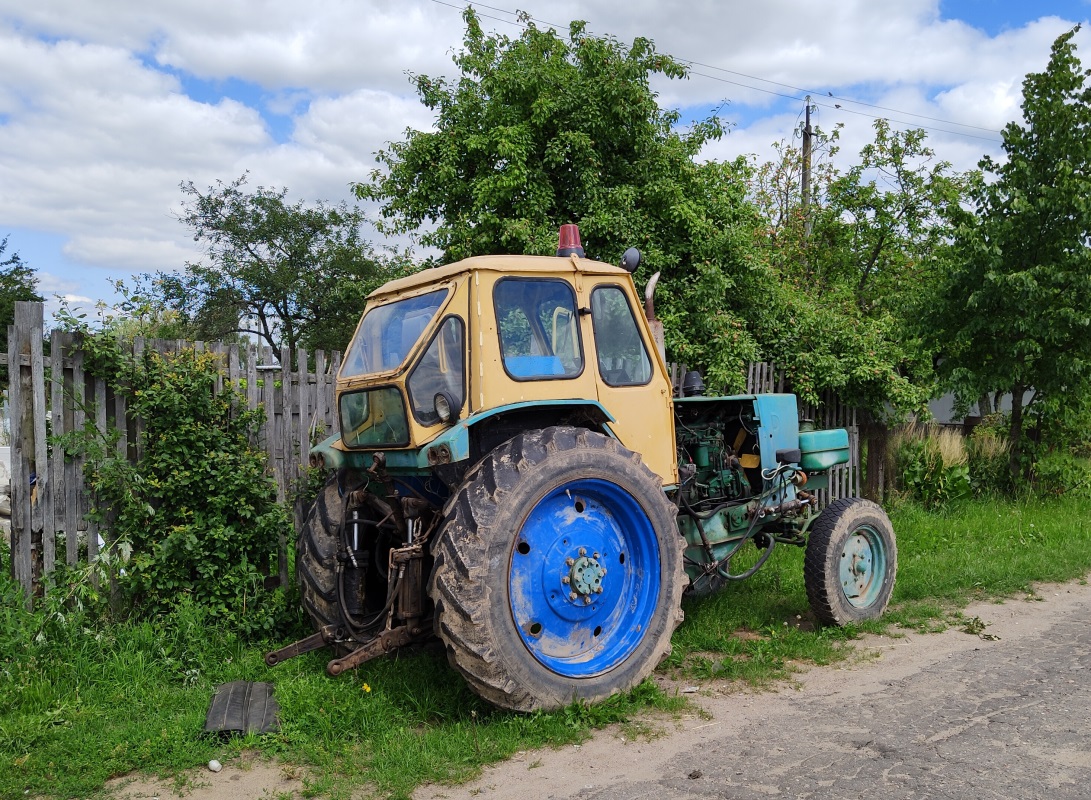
615, 757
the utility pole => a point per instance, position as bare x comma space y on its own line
806, 187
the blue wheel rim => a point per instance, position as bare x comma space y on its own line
863, 565
584, 578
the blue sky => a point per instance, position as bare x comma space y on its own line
106, 107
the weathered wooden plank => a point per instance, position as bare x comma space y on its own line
20, 491
269, 404
100, 425
321, 406
285, 437
40, 467
67, 510
55, 521
252, 395
304, 393
233, 369
335, 414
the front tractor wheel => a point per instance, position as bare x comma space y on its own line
558, 574
851, 562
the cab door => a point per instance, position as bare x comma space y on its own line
632, 383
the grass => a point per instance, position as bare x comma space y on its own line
80, 704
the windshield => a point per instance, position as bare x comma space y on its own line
388, 332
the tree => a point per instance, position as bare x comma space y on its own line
17, 282
1014, 315
879, 238
294, 274
540, 131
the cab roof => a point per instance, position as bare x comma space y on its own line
517, 265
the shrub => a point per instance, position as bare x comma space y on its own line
987, 458
196, 519
931, 464
1058, 473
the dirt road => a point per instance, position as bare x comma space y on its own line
949, 715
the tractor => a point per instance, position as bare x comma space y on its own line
515, 474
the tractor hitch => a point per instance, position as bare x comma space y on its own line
327, 636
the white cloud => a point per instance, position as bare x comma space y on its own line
97, 129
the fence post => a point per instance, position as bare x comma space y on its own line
29, 459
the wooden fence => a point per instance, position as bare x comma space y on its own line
52, 395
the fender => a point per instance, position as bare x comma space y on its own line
450, 445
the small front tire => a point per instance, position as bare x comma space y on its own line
851, 562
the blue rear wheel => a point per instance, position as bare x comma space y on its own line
584, 579
558, 573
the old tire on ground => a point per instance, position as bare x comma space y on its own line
851, 562
316, 557
558, 571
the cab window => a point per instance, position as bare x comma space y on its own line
440, 369
539, 329
388, 332
622, 358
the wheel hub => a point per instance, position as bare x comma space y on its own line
858, 568
585, 576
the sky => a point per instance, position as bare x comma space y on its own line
106, 107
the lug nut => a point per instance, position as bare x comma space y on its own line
565, 579
570, 561
603, 571
587, 601
583, 551
594, 555
598, 590
572, 595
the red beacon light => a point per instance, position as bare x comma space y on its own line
568, 241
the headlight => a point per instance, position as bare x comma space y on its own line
443, 404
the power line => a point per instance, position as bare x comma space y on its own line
690, 63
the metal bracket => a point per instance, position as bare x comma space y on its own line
328, 635
381, 645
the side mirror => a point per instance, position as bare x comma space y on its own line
630, 260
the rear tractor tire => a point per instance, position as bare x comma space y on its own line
316, 558
851, 562
558, 573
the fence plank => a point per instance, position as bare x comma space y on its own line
40, 503
55, 520
304, 406
20, 493
321, 404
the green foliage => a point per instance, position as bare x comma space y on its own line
1012, 314
295, 274
196, 519
932, 465
542, 130
1059, 473
987, 458
849, 287
17, 282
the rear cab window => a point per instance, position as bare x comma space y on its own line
538, 324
